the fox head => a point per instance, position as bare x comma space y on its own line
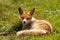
26, 16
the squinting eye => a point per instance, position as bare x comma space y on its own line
22, 17
28, 18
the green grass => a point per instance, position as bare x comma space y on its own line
45, 9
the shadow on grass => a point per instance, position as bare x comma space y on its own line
16, 27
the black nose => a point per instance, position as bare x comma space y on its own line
24, 21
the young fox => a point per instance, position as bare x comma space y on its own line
32, 26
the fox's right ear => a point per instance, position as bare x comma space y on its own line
20, 10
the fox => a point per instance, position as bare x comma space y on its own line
31, 25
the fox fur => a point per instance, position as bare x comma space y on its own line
31, 25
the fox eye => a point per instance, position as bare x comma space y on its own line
28, 18
22, 17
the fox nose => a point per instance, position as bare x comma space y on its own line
24, 22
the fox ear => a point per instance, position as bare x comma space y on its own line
20, 10
32, 11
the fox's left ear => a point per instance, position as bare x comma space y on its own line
32, 11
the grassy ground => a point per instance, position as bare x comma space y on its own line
45, 9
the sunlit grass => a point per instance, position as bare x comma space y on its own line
44, 9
